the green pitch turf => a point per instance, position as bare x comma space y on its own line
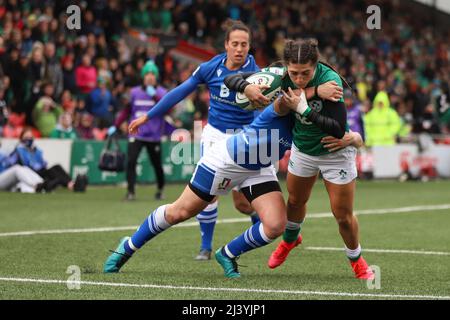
167, 261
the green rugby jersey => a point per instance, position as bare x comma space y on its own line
306, 135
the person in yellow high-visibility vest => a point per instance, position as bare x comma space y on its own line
382, 123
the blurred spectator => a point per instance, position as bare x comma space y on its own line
354, 113
69, 79
53, 72
382, 123
27, 154
3, 109
64, 129
36, 47
68, 102
184, 112
100, 103
85, 128
138, 16
85, 76
443, 106
17, 177
46, 112
103, 71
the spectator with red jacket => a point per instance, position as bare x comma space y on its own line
86, 76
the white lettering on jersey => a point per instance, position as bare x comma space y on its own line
224, 91
144, 103
219, 72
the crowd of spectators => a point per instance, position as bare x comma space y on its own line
72, 83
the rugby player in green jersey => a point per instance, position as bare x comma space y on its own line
314, 150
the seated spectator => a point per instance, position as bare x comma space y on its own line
27, 154
17, 177
68, 102
85, 128
64, 129
15, 125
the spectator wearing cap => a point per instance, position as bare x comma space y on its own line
142, 99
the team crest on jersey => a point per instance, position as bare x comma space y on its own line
224, 184
219, 72
316, 105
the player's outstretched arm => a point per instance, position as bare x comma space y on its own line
167, 101
173, 97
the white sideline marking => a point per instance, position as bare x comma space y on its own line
222, 221
437, 253
154, 286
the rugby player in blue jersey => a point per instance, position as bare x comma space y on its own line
224, 116
243, 160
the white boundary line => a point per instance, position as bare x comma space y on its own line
297, 292
437, 253
222, 221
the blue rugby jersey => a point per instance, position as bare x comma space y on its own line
223, 111
263, 142
224, 114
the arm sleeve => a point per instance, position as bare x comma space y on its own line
237, 82
334, 122
173, 97
123, 115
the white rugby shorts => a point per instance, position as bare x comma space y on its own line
337, 167
216, 173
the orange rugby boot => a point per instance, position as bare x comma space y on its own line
280, 254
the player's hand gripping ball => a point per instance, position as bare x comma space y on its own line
270, 79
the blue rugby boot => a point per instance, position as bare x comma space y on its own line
229, 266
117, 259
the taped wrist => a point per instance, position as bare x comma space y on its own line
302, 107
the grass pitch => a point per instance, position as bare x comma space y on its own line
33, 266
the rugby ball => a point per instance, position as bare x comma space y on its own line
271, 79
